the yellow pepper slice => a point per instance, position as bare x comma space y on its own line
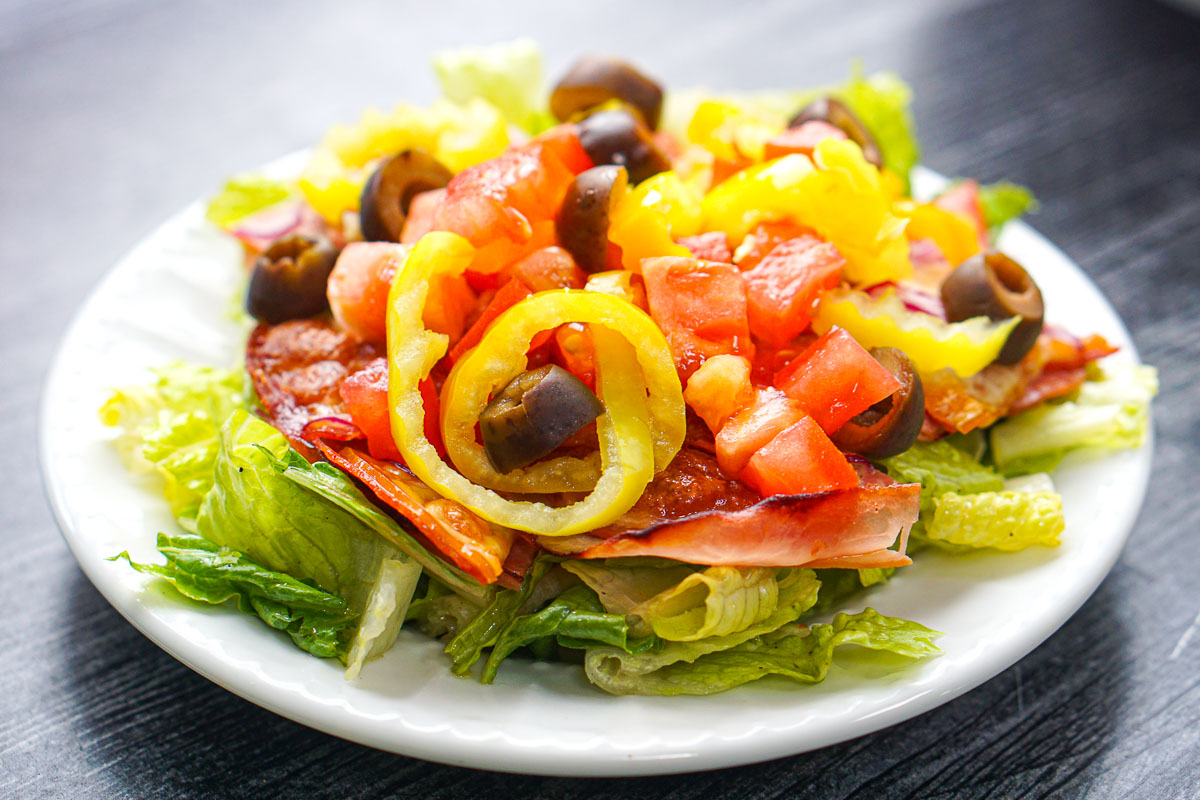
643, 421
837, 194
650, 215
730, 131
953, 234
932, 344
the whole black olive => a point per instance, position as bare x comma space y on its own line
583, 217
993, 285
617, 137
597, 79
535, 413
289, 278
838, 114
389, 191
890, 426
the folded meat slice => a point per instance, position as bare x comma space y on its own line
850, 528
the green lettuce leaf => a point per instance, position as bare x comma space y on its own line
623, 584
331, 484
838, 586
170, 428
882, 101
799, 652
574, 619
507, 75
242, 195
468, 644
440, 612
999, 520
317, 621
255, 510
940, 467
1004, 201
1108, 414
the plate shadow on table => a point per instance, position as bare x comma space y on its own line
140, 713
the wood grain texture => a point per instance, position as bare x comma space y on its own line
115, 114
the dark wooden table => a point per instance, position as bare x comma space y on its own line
115, 114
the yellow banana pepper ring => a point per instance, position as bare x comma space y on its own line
644, 413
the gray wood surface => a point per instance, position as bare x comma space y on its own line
115, 114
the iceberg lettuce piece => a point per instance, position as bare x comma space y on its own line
169, 427
799, 652
999, 520
242, 195
317, 621
1003, 202
1111, 413
508, 75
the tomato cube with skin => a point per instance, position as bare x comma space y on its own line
781, 289
799, 460
836, 379
748, 430
365, 395
700, 307
712, 246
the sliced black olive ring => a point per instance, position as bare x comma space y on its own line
615, 136
595, 80
993, 285
838, 114
892, 425
389, 191
533, 414
583, 218
289, 279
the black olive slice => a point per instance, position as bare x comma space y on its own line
597, 79
583, 217
389, 191
289, 279
617, 137
993, 285
535, 413
838, 114
890, 426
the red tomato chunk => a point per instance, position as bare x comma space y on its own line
781, 289
799, 460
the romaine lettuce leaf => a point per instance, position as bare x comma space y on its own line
623, 584
481, 632
255, 510
882, 102
316, 620
1004, 201
508, 75
242, 195
574, 619
799, 652
440, 612
1108, 414
715, 602
170, 427
940, 467
999, 520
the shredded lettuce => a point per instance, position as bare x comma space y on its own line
170, 427
999, 520
799, 652
508, 75
1111, 413
1004, 201
317, 621
940, 467
242, 195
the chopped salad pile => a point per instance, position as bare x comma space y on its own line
657, 383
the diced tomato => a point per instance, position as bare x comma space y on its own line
448, 304
421, 213
723, 168
572, 349
963, 199
835, 379
763, 239
802, 139
563, 141
781, 289
549, 268
712, 246
719, 389
511, 293
700, 307
771, 412
768, 361
365, 395
799, 460
358, 287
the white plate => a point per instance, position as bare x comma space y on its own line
169, 299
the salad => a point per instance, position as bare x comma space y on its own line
659, 384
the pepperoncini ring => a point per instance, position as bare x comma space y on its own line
643, 423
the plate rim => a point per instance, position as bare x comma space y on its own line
513, 756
